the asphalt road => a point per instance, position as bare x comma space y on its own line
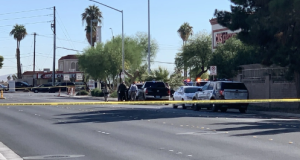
147, 132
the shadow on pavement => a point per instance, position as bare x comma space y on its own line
263, 127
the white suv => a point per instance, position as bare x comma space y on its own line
222, 90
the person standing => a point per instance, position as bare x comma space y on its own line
121, 91
133, 89
105, 92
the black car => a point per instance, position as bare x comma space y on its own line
21, 86
41, 88
153, 90
62, 86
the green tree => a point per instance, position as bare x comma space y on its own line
185, 31
19, 33
89, 14
273, 26
104, 62
176, 80
8, 78
196, 54
1, 61
230, 55
160, 74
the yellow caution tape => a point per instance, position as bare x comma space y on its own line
157, 102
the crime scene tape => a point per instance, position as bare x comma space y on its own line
156, 102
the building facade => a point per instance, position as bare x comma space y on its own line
219, 33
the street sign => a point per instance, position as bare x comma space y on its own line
66, 77
79, 76
91, 84
213, 70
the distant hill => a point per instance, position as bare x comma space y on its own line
4, 77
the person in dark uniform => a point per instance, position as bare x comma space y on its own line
122, 91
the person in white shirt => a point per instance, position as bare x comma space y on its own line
133, 89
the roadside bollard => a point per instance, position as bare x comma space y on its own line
2, 95
58, 93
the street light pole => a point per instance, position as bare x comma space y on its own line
122, 30
149, 49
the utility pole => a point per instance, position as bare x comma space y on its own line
53, 26
34, 53
149, 37
34, 58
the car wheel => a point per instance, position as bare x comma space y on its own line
174, 105
242, 110
223, 109
36, 91
195, 106
213, 106
183, 105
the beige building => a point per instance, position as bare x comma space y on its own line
68, 63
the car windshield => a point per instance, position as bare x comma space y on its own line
191, 90
155, 85
234, 86
200, 83
139, 86
25, 83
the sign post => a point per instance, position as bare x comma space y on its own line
67, 78
213, 71
122, 75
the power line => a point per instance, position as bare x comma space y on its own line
26, 11
62, 39
68, 36
25, 17
28, 23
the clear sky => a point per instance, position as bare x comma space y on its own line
166, 18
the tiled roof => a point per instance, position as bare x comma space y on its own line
69, 57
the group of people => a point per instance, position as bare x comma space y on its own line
122, 92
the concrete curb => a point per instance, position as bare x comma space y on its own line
8, 154
88, 98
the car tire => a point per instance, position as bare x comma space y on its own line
223, 109
242, 110
195, 106
183, 105
174, 105
214, 107
36, 91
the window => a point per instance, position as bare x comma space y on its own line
61, 67
77, 67
154, 85
205, 86
211, 86
73, 65
234, 86
218, 86
191, 90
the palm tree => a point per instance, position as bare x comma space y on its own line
91, 13
184, 32
19, 33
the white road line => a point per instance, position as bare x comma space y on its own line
7, 152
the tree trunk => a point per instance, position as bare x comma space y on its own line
19, 72
297, 83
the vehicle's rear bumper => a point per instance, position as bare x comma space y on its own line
165, 98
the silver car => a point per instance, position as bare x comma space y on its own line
185, 93
222, 90
3, 87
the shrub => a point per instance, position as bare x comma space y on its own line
97, 93
114, 94
82, 92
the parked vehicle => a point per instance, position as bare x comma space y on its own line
80, 86
62, 86
3, 87
153, 90
21, 86
185, 93
139, 85
222, 90
41, 88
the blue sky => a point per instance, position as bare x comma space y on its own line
166, 18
